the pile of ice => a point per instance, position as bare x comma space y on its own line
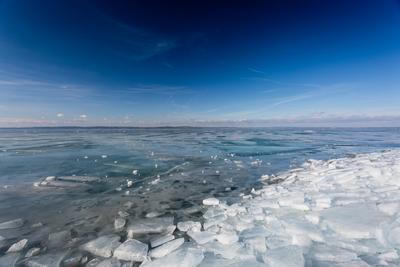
342, 212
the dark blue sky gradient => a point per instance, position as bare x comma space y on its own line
174, 62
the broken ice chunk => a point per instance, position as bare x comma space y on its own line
322, 252
189, 225
78, 178
183, 257
227, 238
277, 241
151, 226
166, 248
102, 246
159, 240
153, 214
290, 256
20, 245
201, 237
123, 214
119, 223
17, 223
226, 251
256, 244
390, 208
354, 220
32, 252
255, 231
46, 260
58, 239
210, 201
131, 250
113, 262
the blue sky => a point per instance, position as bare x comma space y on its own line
140, 63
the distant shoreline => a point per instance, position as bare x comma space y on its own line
201, 127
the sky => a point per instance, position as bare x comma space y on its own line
199, 63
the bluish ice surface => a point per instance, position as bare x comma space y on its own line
28, 154
192, 164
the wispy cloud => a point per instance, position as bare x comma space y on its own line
136, 43
23, 88
282, 83
256, 71
157, 89
290, 99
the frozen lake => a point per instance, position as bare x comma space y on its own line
151, 172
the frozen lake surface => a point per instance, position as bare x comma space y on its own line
63, 187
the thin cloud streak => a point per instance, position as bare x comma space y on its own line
255, 70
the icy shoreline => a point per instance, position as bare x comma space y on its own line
341, 212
